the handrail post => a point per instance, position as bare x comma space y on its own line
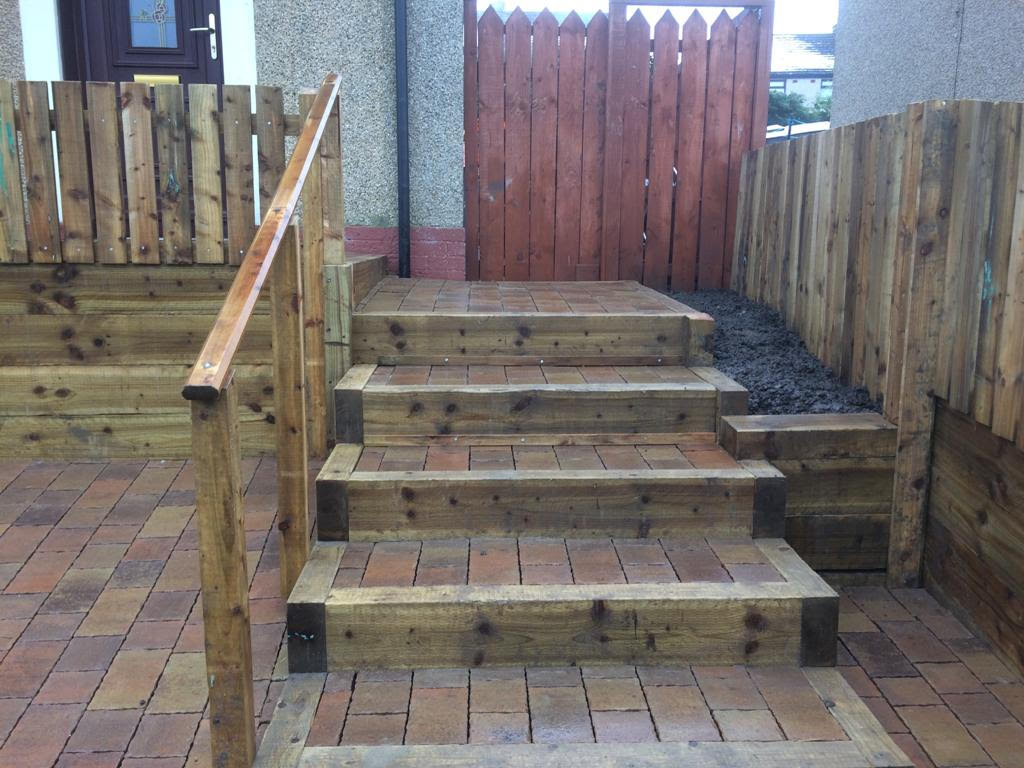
314, 241
286, 307
216, 452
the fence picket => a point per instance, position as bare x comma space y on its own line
492, 146
595, 77
107, 188
517, 146
471, 123
236, 124
175, 216
543, 131
140, 175
634, 148
568, 191
747, 34
269, 141
40, 183
664, 101
13, 242
693, 77
717, 137
204, 132
72, 157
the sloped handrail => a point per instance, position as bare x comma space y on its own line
211, 371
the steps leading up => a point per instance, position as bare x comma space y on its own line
528, 485
683, 488
417, 403
554, 601
440, 322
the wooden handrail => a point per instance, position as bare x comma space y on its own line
212, 370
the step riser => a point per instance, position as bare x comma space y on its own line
602, 339
455, 504
382, 412
498, 626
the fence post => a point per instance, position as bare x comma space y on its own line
286, 308
924, 309
318, 234
216, 452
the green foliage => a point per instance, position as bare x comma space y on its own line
786, 108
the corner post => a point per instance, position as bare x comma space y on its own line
290, 409
319, 238
924, 310
216, 452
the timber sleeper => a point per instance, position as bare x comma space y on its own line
437, 322
418, 403
550, 601
439, 491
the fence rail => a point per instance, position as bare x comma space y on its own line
895, 248
314, 174
142, 175
593, 152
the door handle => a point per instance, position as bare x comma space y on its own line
211, 30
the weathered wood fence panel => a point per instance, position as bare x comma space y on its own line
115, 257
138, 178
599, 152
895, 248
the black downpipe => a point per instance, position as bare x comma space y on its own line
402, 113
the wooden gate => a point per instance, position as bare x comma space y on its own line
599, 151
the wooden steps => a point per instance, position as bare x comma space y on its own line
416, 403
428, 322
682, 488
529, 475
461, 603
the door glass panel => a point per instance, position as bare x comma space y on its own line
154, 24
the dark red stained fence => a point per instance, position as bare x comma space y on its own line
600, 151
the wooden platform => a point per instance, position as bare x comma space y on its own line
644, 717
412, 321
395, 294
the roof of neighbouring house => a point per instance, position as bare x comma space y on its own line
794, 54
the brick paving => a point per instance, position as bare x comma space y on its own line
488, 458
101, 659
543, 560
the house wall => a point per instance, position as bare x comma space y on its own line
809, 88
357, 40
890, 54
11, 65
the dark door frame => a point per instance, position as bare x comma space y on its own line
76, 47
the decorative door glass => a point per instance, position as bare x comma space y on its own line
153, 24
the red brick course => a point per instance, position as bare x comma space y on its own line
435, 252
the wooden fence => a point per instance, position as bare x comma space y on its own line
116, 248
593, 152
895, 248
138, 178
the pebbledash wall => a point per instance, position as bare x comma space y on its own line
296, 42
889, 54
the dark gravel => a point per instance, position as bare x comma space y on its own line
753, 346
